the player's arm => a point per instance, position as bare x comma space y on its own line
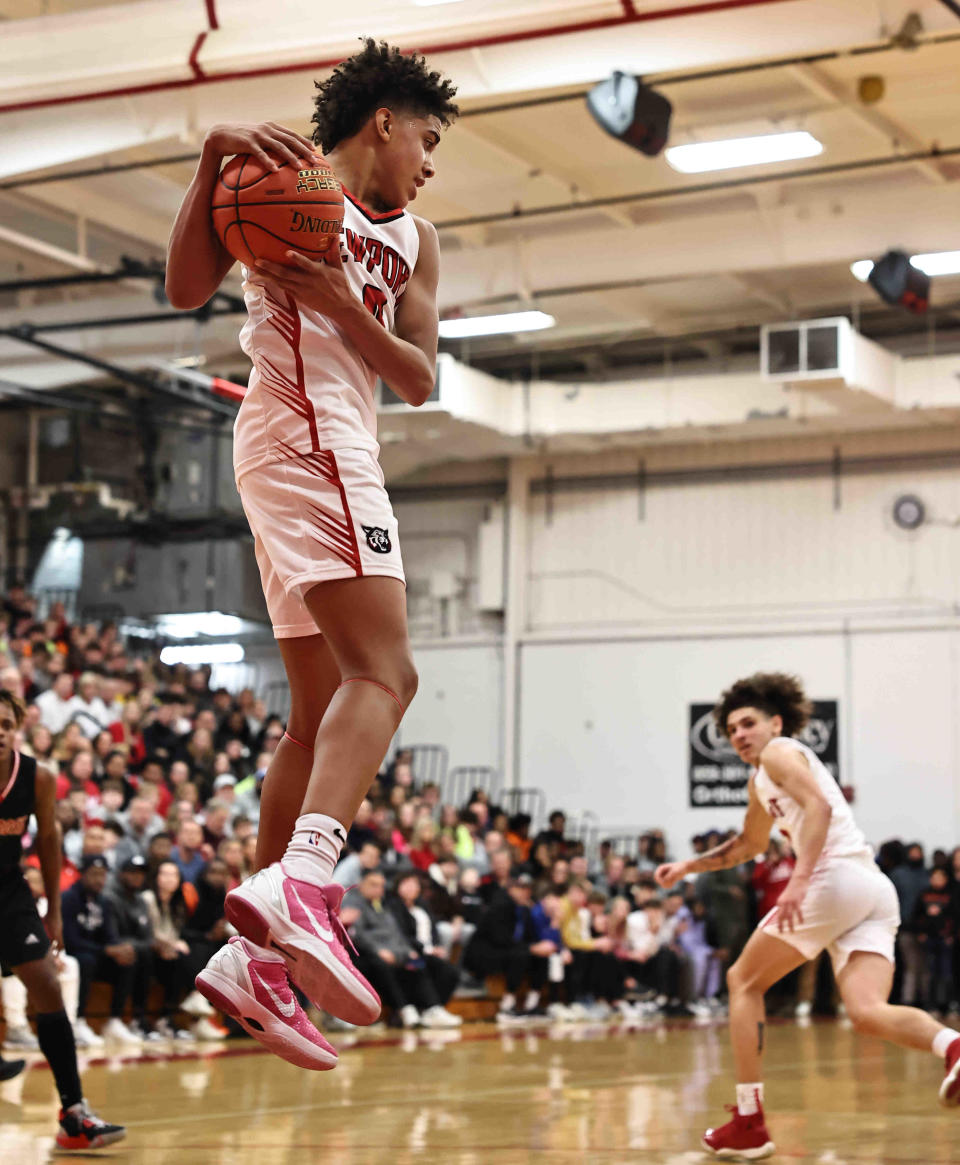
788, 768
750, 841
196, 259
48, 845
407, 358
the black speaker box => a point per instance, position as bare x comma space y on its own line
631, 112
897, 281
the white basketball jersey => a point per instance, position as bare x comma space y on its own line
844, 838
310, 388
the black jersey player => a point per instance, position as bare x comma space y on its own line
27, 943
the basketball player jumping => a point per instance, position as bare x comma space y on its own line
305, 457
26, 789
836, 899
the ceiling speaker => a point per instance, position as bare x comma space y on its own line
631, 112
897, 281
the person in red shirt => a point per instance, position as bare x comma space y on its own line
771, 874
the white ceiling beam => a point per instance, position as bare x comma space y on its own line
818, 82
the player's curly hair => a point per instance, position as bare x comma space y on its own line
15, 704
773, 693
378, 75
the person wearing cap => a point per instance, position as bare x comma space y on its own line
132, 915
505, 943
90, 935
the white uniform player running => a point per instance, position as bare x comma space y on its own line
836, 900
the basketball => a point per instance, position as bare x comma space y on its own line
261, 214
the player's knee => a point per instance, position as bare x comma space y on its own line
409, 681
866, 1017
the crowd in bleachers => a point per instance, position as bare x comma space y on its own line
159, 780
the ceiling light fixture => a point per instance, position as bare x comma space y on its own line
515, 321
698, 157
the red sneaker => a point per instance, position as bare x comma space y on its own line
301, 922
950, 1088
255, 991
744, 1136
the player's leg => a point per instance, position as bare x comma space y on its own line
364, 622
79, 1127
313, 676
865, 982
764, 960
293, 908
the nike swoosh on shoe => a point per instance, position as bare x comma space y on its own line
286, 1009
321, 930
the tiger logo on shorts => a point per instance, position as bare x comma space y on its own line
378, 539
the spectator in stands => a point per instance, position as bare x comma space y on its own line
613, 882
501, 868
187, 853
420, 929
934, 926
518, 837
205, 932
649, 957
388, 959
39, 743
422, 853
910, 879
230, 852
168, 914
504, 944
127, 731
723, 892
553, 835
770, 874
159, 850
160, 738
132, 917
56, 704
595, 976
90, 936
216, 823
362, 828
87, 708
351, 869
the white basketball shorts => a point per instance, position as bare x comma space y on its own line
850, 906
322, 516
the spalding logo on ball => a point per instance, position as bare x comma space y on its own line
261, 214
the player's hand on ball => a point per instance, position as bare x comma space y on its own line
320, 286
268, 142
669, 874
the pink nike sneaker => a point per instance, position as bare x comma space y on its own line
254, 990
301, 922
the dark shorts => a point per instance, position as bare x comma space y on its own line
22, 935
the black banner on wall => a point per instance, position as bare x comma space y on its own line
718, 777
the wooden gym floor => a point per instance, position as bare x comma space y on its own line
482, 1097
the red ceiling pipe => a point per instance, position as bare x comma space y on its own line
629, 16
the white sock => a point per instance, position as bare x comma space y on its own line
261, 952
942, 1040
533, 998
749, 1098
508, 1002
314, 849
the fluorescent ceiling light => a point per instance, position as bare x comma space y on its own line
190, 624
933, 263
515, 321
200, 653
697, 157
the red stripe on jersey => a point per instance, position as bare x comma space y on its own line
372, 215
285, 319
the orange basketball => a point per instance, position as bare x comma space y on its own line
262, 214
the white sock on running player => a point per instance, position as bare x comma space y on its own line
749, 1098
315, 847
942, 1040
